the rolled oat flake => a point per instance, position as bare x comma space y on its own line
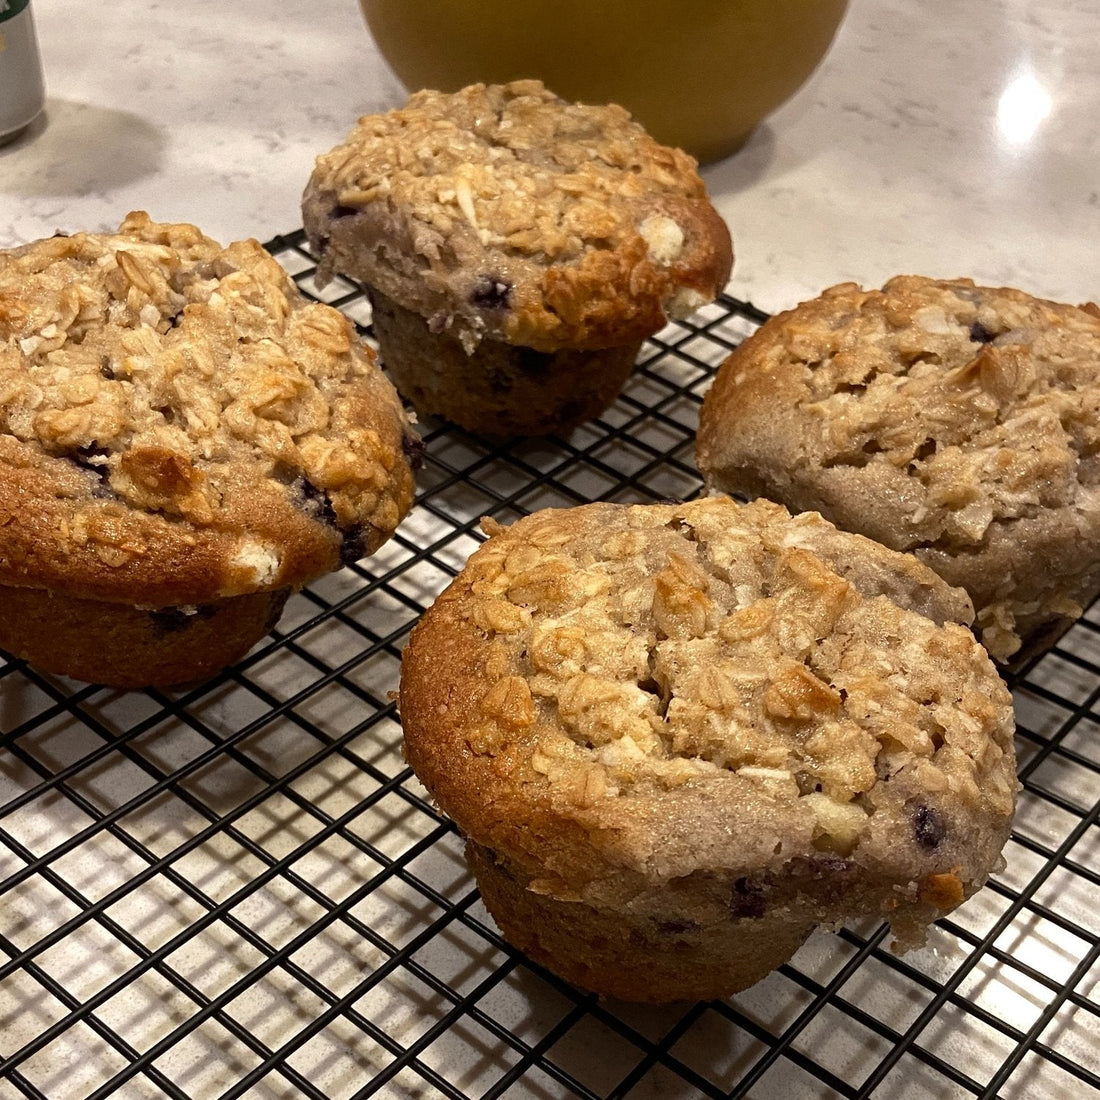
22, 89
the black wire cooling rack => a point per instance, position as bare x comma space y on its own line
242, 891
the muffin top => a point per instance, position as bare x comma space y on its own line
957, 421
178, 424
609, 694
505, 211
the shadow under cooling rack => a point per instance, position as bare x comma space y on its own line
241, 890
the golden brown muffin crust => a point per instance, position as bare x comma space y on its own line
615, 700
958, 422
178, 424
503, 210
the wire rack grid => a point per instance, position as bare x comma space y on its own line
241, 890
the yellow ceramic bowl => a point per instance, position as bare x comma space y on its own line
697, 73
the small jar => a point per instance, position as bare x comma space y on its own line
22, 88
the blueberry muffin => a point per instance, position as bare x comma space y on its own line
954, 421
680, 737
184, 440
517, 249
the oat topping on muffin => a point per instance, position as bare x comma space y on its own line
955, 421
632, 710
504, 211
178, 424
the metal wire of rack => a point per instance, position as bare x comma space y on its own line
240, 890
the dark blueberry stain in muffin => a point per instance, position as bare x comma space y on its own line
747, 899
533, 362
94, 460
171, 620
340, 211
980, 334
412, 446
105, 367
354, 539
317, 504
491, 293
355, 545
928, 827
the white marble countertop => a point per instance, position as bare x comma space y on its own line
930, 141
